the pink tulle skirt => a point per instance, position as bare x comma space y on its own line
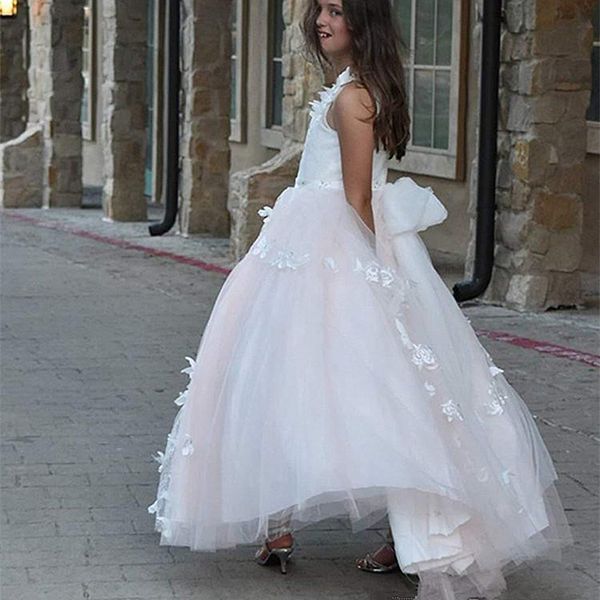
338, 377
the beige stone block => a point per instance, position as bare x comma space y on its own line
530, 159
520, 195
527, 292
512, 228
564, 38
498, 287
519, 114
564, 253
574, 70
549, 108
564, 290
556, 211
567, 179
577, 104
538, 239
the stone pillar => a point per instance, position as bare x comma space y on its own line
205, 156
13, 73
54, 97
59, 61
545, 90
125, 30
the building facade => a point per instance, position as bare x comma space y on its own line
245, 87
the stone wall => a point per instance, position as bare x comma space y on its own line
204, 148
13, 73
545, 83
124, 109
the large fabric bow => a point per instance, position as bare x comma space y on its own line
408, 207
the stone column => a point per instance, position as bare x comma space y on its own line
205, 79
545, 90
61, 24
54, 96
13, 73
125, 30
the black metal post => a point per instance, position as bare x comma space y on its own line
170, 189
488, 132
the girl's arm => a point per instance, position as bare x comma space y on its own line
351, 116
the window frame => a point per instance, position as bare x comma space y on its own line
445, 164
88, 124
271, 136
593, 127
240, 53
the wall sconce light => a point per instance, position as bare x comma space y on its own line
8, 8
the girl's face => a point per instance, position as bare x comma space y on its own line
334, 35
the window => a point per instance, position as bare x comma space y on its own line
238, 70
88, 71
435, 32
593, 112
273, 105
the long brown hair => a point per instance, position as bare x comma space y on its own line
377, 53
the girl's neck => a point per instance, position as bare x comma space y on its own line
341, 64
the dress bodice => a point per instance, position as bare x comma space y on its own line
321, 162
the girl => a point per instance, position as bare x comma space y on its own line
337, 377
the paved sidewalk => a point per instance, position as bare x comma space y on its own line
94, 334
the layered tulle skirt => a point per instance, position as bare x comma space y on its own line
336, 376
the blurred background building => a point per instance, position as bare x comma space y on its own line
82, 96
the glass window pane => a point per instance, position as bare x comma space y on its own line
593, 112
441, 122
423, 100
443, 53
424, 32
277, 94
277, 28
404, 14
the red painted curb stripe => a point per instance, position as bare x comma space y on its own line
180, 258
499, 336
544, 347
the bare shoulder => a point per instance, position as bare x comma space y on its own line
353, 102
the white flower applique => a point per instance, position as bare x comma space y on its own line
329, 262
498, 396
188, 447
452, 410
373, 271
286, 259
423, 357
265, 212
261, 247
180, 400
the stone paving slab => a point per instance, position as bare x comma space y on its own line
93, 340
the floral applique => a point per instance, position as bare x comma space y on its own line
329, 262
188, 447
373, 271
498, 396
265, 212
452, 410
180, 400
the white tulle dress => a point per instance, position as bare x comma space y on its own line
337, 376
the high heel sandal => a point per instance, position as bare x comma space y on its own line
369, 564
283, 554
